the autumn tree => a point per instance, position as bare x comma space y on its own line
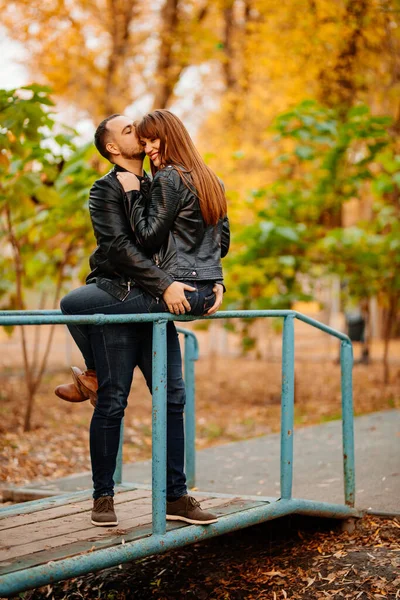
322, 163
367, 255
102, 56
338, 53
256, 57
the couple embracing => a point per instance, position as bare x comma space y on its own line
159, 249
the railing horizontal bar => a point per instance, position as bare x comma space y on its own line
49, 317
322, 326
227, 314
11, 313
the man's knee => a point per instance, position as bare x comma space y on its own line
64, 305
176, 393
70, 303
112, 397
79, 299
111, 406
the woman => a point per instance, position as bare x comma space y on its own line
184, 223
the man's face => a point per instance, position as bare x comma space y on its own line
123, 138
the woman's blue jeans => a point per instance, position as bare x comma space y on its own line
114, 351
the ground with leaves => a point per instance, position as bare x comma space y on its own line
291, 558
237, 399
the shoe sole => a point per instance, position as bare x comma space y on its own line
103, 524
191, 521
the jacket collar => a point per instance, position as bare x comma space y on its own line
118, 169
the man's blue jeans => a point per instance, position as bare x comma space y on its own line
114, 351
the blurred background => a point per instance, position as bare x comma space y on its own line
295, 104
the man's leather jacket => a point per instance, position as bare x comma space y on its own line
169, 224
119, 261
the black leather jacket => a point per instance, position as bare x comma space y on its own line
169, 224
118, 261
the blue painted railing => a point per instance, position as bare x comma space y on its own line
161, 540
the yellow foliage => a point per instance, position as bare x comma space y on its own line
294, 50
260, 58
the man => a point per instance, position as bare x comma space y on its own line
119, 272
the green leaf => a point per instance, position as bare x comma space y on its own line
288, 233
305, 152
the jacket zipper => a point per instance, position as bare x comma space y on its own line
128, 283
157, 261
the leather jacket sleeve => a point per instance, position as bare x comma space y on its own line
225, 237
152, 223
116, 239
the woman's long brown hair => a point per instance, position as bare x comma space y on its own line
177, 148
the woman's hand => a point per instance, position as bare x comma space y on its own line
129, 181
218, 290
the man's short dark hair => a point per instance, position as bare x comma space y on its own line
101, 136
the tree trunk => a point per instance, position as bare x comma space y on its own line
39, 375
37, 334
228, 66
120, 14
173, 57
19, 269
164, 79
338, 83
32, 380
390, 317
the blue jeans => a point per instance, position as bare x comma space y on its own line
114, 351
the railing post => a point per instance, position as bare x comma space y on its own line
118, 467
190, 412
287, 407
346, 363
159, 427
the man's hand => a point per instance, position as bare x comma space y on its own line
218, 290
129, 181
174, 297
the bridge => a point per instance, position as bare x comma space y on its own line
51, 539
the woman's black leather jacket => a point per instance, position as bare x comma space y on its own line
170, 225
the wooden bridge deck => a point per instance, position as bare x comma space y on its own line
52, 533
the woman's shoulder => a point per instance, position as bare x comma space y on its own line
175, 175
169, 172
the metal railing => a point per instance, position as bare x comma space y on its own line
160, 540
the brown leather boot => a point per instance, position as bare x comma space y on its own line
70, 391
86, 383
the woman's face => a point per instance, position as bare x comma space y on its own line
152, 148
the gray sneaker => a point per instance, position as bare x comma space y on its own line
188, 509
103, 514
